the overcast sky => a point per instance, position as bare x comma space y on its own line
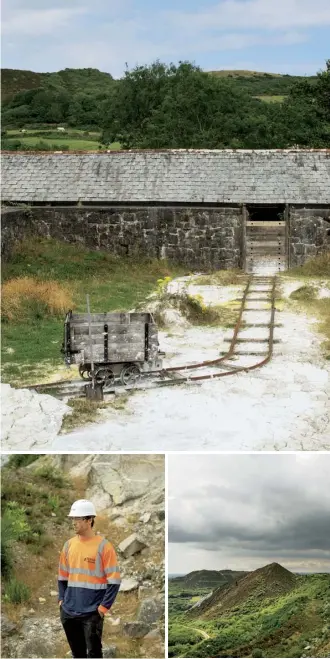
285, 36
245, 511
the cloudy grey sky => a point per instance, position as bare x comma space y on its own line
244, 511
286, 36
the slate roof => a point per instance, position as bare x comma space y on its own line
182, 176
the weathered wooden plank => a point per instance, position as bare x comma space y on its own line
115, 357
136, 345
111, 318
113, 330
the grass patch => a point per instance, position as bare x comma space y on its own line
86, 411
60, 143
221, 278
304, 294
319, 266
16, 592
113, 283
83, 412
26, 299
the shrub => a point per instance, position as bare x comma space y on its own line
257, 653
304, 293
21, 460
7, 539
51, 475
28, 299
15, 515
319, 266
16, 592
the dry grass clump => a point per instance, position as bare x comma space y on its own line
26, 298
318, 266
221, 278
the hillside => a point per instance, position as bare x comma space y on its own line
87, 81
270, 612
37, 492
265, 583
206, 579
257, 83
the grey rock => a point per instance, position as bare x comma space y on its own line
127, 585
131, 545
150, 610
109, 651
136, 629
7, 626
145, 518
154, 635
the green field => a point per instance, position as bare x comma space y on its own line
31, 346
71, 140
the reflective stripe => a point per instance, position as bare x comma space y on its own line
66, 550
60, 578
82, 570
98, 564
115, 581
85, 584
62, 567
110, 570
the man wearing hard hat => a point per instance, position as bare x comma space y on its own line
88, 582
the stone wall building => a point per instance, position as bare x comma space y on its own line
203, 208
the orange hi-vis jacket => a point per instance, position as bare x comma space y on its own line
88, 575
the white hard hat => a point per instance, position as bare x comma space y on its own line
82, 508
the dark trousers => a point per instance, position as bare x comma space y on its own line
84, 634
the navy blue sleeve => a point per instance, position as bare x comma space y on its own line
62, 586
110, 595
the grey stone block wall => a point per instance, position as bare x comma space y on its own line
197, 238
309, 233
16, 224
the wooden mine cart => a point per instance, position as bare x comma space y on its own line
120, 345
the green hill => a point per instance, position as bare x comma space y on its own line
270, 612
14, 81
206, 579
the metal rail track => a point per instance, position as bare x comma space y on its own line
176, 375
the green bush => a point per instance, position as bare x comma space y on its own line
51, 475
7, 539
16, 516
21, 460
16, 592
257, 654
304, 293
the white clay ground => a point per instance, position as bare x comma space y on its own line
282, 406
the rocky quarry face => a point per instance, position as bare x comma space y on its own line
128, 493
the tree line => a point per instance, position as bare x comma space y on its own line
181, 106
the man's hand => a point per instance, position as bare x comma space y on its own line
60, 603
101, 613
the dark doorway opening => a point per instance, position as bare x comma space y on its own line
272, 213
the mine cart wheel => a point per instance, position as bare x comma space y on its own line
84, 371
105, 376
130, 374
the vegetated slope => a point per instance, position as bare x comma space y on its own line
270, 613
264, 583
14, 81
258, 83
206, 578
